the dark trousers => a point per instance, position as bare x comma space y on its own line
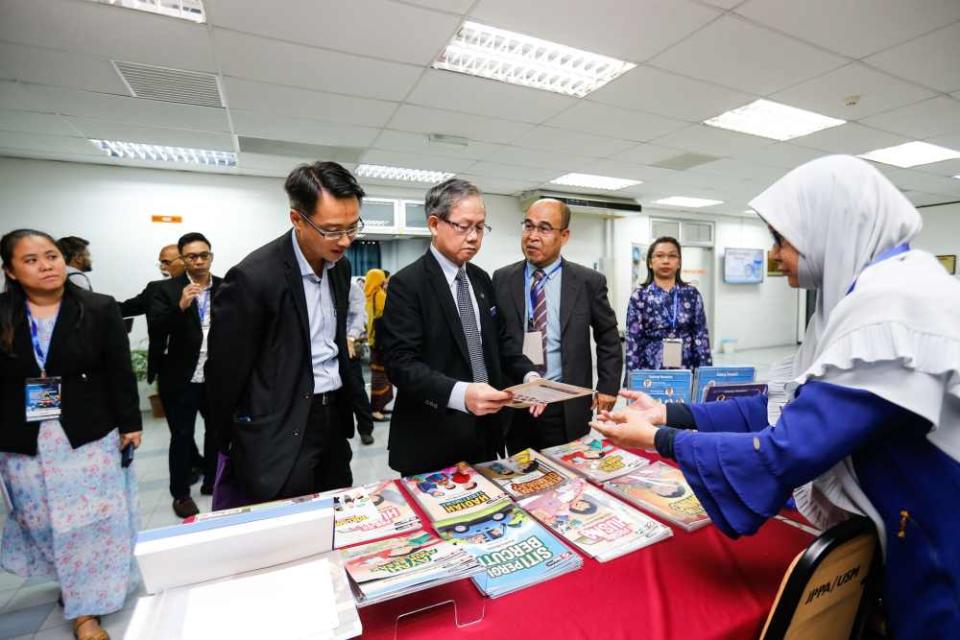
537, 433
182, 408
323, 462
360, 401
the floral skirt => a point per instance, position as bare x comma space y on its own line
74, 520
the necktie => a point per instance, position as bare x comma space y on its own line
470, 330
540, 313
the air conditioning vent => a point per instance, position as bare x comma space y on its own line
684, 161
170, 85
592, 205
343, 155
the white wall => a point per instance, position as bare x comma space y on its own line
941, 230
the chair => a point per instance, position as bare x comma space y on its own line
828, 588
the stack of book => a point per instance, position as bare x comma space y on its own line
455, 493
595, 458
406, 564
597, 523
371, 512
524, 474
662, 490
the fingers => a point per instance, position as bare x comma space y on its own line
630, 394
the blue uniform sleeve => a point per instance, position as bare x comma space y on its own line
746, 414
744, 478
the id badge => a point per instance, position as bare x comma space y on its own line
672, 353
533, 347
42, 399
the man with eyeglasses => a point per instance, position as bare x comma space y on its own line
170, 265
278, 351
549, 304
443, 343
179, 318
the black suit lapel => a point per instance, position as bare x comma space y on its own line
484, 302
294, 280
441, 289
66, 322
569, 291
518, 292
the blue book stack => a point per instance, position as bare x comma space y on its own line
665, 385
710, 376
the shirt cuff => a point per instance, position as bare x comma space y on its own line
663, 441
458, 397
680, 415
531, 375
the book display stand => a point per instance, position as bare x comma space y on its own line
431, 609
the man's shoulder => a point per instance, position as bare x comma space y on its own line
583, 272
413, 271
507, 271
266, 258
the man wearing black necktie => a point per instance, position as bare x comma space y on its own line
444, 346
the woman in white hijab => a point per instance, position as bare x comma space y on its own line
872, 425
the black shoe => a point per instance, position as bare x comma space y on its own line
206, 489
185, 507
366, 438
195, 474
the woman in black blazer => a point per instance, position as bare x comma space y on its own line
68, 407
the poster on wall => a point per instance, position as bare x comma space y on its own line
949, 263
638, 265
743, 266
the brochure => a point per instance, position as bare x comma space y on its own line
727, 391
543, 391
665, 385
710, 376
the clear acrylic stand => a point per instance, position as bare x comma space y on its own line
463, 615
411, 614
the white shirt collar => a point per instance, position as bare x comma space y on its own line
450, 269
305, 268
209, 280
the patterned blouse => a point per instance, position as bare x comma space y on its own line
650, 320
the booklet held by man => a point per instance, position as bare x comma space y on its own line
543, 391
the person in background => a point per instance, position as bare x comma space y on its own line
76, 253
873, 424
69, 415
666, 322
356, 325
381, 391
170, 265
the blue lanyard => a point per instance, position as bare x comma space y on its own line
202, 308
676, 301
38, 351
889, 253
536, 288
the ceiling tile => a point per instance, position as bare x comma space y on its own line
849, 138
550, 139
32, 122
668, 94
420, 143
380, 22
112, 130
60, 68
501, 186
255, 58
604, 120
930, 60
459, 92
537, 159
738, 170
416, 161
910, 179
448, 6
933, 117
255, 124
738, 54
413, 118
632, 31
877, 92
781, 154
724, 4
24, 97
920, 199
10, 140
712, 141
303, 103
878, 23
513, 172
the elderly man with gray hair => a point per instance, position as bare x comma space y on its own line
444, 346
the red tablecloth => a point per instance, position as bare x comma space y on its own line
691, 586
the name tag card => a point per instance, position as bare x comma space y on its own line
42, 399
672, 353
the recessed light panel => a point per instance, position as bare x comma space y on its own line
160, 153
191, 10
589, 181
685, 201
384, 172
773, 120
911, 154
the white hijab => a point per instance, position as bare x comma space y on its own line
897, 335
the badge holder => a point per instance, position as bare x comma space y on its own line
414, 613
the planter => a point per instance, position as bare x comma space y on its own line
156, 406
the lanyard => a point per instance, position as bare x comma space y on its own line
38, 351
889, 253
676, 301
536, 288
205, 306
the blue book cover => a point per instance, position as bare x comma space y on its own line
665, 385
726, 391
710, 376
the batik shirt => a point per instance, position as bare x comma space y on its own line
650, 320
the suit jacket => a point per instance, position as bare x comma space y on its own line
138, 306
259, 369
177, 335
583, 304
89, 350
425, 353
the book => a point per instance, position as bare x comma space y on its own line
727, 391
455, 493
398, 566
524, 474
665, 385
595, 522
710, 376
371, 512
662, 490
595, 458
514, 549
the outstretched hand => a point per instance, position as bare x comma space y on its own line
626, 428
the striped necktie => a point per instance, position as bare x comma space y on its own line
540, 313
470, 330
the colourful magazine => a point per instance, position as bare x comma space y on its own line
662, 490
595, 458
665, 385
524, 474
371, 512
455, 493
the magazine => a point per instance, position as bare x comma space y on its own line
727, 391
662, 490
595, 458
524, 474
371, 512
665, 385
597, 523
455, 493
515, 550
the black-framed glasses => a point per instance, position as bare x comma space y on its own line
350, 232
465, 229
527, 227
203, 256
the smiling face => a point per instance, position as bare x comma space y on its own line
37, 265
787, 257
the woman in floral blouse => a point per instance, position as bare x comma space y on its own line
664, 307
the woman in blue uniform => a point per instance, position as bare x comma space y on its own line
873, 422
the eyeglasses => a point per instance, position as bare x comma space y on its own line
465, 229
527, 227
666, 256
203, 256
350, 232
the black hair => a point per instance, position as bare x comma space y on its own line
193, 236
70, 246
443, 197
587, 510
305, 184
653, 246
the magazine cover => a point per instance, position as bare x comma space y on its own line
597, 523
513, 548
726, 391
595, 458
371, 512
710, 376
665, 385
662, 489
455, 493
524, 474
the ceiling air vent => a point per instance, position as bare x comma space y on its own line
684, 161
170, 85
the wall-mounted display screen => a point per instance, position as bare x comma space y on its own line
743, 266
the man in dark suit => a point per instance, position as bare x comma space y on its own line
549, 305
278, 351
178, 317
443, 343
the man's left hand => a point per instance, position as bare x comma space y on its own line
603, 402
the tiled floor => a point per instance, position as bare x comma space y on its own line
28, 608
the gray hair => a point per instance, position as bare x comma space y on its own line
443, 197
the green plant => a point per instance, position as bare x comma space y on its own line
138, 358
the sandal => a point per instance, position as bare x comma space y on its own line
97, 634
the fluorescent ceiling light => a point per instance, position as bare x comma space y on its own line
594, 182
488, 52
684, 201
138, 151
400, 173
773, 120
191, 10
911, 154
